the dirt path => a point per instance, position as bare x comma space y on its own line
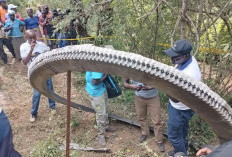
15, 98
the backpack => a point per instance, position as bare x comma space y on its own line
112, 87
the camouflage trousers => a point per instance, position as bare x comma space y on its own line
101, 105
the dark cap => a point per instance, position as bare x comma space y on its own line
180, 47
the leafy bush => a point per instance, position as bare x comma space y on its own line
47, 148
199, 132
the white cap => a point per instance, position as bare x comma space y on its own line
11, 12
11, 6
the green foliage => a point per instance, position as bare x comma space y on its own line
46, 148
74, 123
199, 131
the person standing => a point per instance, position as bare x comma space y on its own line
14, 28
29, 51
32, 22
99, 101
178, 113
147, 99
71, 33
6, 137
45, 23
17, 14
3, 10
5, 41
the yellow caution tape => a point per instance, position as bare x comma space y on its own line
202, 49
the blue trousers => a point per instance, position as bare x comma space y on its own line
36, 99
178, 128
6, 138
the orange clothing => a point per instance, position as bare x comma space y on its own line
2, 13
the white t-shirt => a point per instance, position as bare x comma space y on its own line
191, 69
25, 48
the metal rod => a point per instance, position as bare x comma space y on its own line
68, 112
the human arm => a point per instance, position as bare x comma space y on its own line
26, 59
128, 85
21, 25
42, 21
203, 151
7, 27
20, 17
97, 81
173, 99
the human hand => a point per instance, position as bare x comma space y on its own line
33, 44
10, 28
146, 87
203, 151
139, 87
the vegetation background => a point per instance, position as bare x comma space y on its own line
148, 27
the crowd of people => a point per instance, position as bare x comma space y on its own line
37, 28
13, 27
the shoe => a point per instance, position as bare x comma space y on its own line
111, 129
161, 146
142, 138
102, 140
171, 153
53, 111
33, 118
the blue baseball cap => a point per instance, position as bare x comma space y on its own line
180, 47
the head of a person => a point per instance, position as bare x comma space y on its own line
12, 7
11, 14
30, 12
3, 4
46, 8
44, 14
180, 52
55, 13
31, 36
39, 7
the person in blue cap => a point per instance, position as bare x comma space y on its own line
6, 137
178, 113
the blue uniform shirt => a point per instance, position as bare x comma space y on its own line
15, 32
91, 89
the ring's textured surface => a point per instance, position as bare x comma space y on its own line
195, 94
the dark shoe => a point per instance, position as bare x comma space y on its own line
111, 129
102, 140
171, 153
161, 146
142, 138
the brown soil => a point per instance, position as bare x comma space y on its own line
15, 98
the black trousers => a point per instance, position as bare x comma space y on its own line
8, 44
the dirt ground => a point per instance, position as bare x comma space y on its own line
15, 98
